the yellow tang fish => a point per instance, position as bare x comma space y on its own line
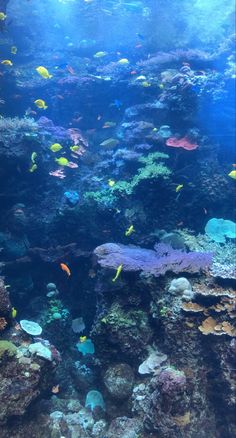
13, 312
62, 161
100, 54
7, 62
33, 157
14, 50
43, 71
232, 174
74, 148
83, 339
55, 147
111, 182
2, 16
40, 103
179, 187
123, 61
130, 230
118, 272
33, 168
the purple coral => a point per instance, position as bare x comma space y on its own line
171, 381
158, 262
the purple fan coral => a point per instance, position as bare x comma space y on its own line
158, 262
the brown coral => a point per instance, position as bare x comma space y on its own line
192, 307
211, 326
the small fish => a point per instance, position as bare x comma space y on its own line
232, 174
111, 182
62, 161
109, 125
33, 157
55, 147
205, 210
74, 148
83, 339
13, 312
146, 84
133, 72
91, 273
2, 16
154, 130
234, 165
33, 168
140, 36
179, 187
55, 389
14, 50
58, 173
70, 69
130, 230
117, 103
72, 165
7, 62
118, 272
65, 268
123, 61
100, 54
40, 103
110, 143
161, 86
43, 71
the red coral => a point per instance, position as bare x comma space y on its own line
184, 143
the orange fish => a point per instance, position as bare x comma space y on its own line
55, 389
65, 268
133, 72
234, 165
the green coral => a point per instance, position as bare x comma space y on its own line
152, 169
56, 311
7, 348
120, 319
102, 197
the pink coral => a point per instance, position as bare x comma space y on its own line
184, 143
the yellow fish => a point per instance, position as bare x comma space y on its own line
43, 71
55, 147
74, 148
118, 271
161, 86
14, 50
33, 168
123, 61
2, 16
111, 182
83, 338
62, 161
130, 230
100, 54
232, 174
179, 187
154, 130
146, 84
13, 312
33, 157
40, 103
7, 62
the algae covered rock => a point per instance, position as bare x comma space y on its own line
118, 380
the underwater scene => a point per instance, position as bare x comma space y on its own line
117, 219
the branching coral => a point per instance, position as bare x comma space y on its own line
12, 129
152, 169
